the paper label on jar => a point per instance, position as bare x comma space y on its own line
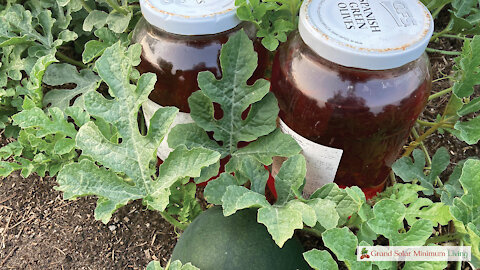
149, 108
322, 161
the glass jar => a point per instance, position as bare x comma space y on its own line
350, 85
180, 39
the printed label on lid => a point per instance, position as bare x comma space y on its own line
322, 161
372, 25
149, 108
386, 33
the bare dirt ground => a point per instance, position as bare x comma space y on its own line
39, 230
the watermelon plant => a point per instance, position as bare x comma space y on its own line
69, 105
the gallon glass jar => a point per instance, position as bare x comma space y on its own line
351, 84
181, 38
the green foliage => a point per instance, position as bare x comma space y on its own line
466, 209
343, 243
106, 38
234, 96
464, 16
45, 143
452, 188
412, 265
176, 265
434, 4
291, 211
468, 67
409, 171
117, 16
274, 19
347, 201
320, 259
463, 7
462, 103
238, 61
392, 208
127, 173
417, 207
183, 202
29, 37
388, 220
61, 74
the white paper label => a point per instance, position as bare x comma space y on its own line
322, 161
149, 108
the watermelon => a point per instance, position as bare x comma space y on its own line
237, 242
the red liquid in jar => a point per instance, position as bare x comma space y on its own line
178, 59
368, 114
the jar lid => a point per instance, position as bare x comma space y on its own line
368, 34
191, 17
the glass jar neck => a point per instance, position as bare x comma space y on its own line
248, 27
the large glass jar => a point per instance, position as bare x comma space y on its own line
351, 84
180, 39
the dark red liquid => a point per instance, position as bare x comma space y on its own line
368, 114
178, 59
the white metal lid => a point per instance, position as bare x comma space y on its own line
368, 34
191, 17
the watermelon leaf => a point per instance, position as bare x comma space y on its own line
60, 74
388, 220
127, 173
466, 209
238, 61
288, 213
467, 68
343, 243
410, 170
320, 259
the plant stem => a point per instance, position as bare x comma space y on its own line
69, 60
439, 79
425, 123
438, 181
422, 145
443, 238
420, 139
459, 263
439, 94
392, 177
436, 35
173, 221
432, 124
85, 6
431, 50
116, 7
455, 36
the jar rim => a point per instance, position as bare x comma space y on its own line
191, 17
